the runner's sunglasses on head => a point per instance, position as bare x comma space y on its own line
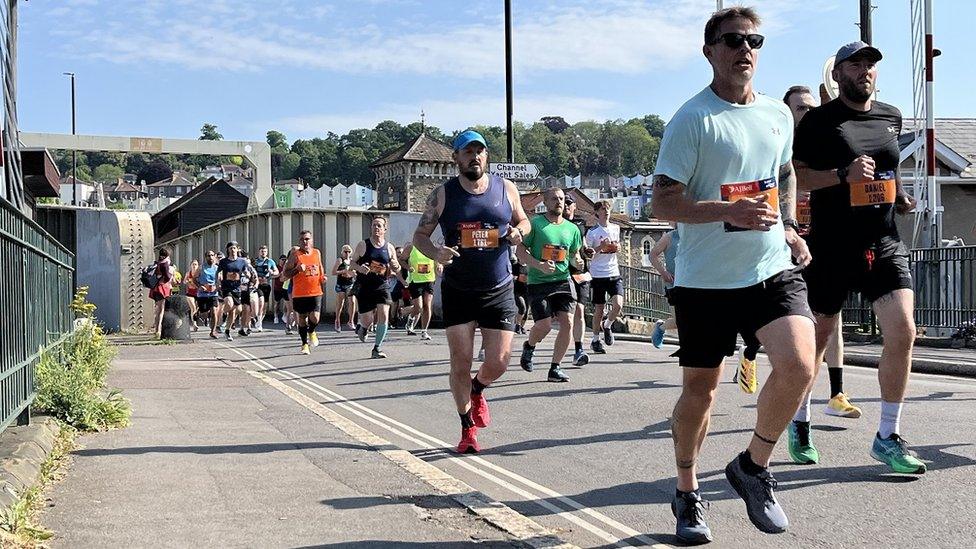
735, 40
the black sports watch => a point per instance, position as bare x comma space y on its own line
842, 174
791, 223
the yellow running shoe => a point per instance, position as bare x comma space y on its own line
305, 349
841, 407
746, 374
314, 338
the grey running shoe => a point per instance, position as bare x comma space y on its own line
525, 361
557, 375
598, 347
607, 335
228, 336
378, 353
580, 358
361, 333
757, 491
689, 509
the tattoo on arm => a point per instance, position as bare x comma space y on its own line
787, 191
428, 222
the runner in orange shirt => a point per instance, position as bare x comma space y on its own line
307, 274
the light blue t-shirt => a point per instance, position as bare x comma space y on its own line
720, 151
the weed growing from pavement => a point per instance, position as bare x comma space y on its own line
18, 525
71, 376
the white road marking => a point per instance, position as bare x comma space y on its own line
398, 429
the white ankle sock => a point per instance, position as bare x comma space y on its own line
890, 418
803, 412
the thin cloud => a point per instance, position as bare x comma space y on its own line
622, 37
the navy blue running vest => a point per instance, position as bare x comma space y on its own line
478, 225
376, 259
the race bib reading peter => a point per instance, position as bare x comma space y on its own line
555, 253
478, 234
732, 192
874, 193
376, 267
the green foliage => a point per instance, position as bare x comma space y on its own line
18, 525
209, 132
71, 376
108, 173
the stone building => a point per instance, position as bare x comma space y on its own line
405, 177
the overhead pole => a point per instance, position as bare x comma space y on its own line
934, 196
509, 102
866, 21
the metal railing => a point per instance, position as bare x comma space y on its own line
35, 297
945, 289
644, 294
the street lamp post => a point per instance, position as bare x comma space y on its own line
74, 152
509, 114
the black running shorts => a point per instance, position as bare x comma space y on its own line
491, 310
606, 287
305, 305
369, 298
874, 272
206, 304
416, 289
549, 298
709, 320
281, 295
233, 294
265, 290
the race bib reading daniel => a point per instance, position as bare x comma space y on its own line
874, 193
478, 234
750, 189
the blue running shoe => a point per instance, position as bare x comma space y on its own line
657, 336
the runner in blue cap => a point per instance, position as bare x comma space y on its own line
481, 217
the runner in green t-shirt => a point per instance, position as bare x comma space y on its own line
548, 250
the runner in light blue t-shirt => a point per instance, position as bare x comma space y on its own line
725, 174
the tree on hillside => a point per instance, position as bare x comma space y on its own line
654, 125
107, 173
209, 132
157, 170
556, 124
276, 140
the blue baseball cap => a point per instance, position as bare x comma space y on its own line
854, 48
467, 137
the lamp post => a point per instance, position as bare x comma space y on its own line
74, 152
509, 114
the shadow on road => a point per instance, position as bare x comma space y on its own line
218, 449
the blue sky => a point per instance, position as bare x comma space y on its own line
305, 67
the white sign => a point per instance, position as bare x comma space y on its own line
515, 172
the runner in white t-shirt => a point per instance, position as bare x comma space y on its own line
604, 237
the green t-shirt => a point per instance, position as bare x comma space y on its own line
551, 241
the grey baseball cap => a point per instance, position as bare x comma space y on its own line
231, 243
854, 48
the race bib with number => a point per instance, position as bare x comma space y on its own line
311, 270
376, 267
803, 209
423, 268
732, 192
478, 234
232, 276
874, 193
553, 252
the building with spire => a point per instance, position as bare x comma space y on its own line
406, 176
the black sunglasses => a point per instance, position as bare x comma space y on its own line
735, 40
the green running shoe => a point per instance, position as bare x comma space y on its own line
802, 450
894, 452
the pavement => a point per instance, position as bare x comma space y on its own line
253, 444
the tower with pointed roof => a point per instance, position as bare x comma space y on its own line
406, 176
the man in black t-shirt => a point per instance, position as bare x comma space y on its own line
846, 153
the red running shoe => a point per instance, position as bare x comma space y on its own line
469, 441
479, 411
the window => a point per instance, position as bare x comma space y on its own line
646, 252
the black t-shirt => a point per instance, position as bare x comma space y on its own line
235, 268
581, 225
856, 215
